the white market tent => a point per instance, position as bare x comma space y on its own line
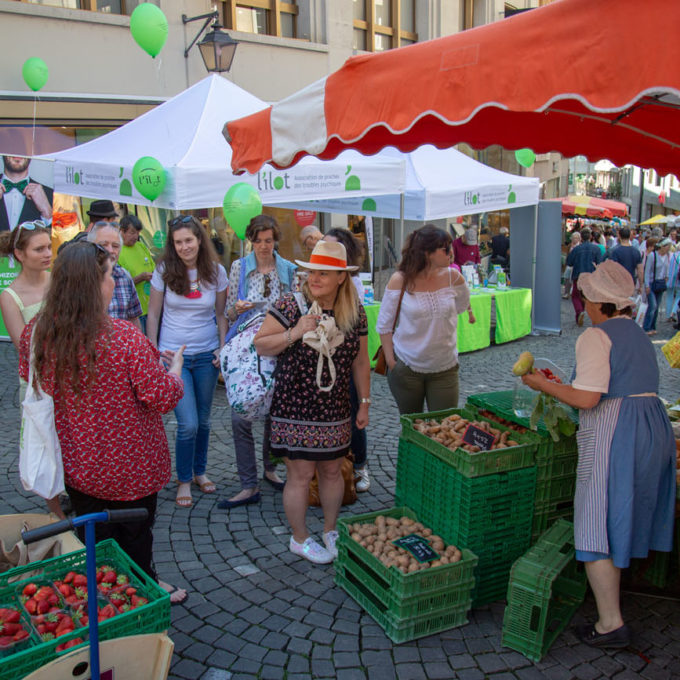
185, 135
440, 183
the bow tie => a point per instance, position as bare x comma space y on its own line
20, 185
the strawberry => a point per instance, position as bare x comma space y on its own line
6, 640
69, 644
65, 589
31, 606
69, 577
21, 635
137, 601
30, 589
43, 606
122, 580
109, 577
130, 591
9, 615
108, 611
80, 581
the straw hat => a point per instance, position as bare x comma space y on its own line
610, 282
328, 256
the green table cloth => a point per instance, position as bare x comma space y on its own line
513, 319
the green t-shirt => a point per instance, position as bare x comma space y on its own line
135, 260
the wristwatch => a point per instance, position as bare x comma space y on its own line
365, 400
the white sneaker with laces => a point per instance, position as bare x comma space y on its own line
329, 539
311, 551
363, 483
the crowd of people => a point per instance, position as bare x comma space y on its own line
652, 260
95, 348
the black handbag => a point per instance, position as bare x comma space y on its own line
658, 285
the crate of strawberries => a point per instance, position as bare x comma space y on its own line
48, 600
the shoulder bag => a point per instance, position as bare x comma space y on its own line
379, 356
658, 285
40, 468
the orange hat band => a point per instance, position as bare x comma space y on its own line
329, 261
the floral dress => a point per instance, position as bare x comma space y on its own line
307, 423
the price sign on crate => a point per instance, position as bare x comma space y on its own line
478, 437
418, 547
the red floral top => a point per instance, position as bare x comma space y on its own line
113, 442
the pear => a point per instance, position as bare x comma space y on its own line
524, 364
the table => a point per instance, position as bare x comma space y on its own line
513, 319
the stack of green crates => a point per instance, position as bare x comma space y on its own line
555, 462
406, 606
482, 501
546, 587
153, 617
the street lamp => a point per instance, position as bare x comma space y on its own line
217, 48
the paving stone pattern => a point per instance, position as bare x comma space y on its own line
257, 611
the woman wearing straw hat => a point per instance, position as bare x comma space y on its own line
310, 412
625, 481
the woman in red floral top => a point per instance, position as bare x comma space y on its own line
109, 389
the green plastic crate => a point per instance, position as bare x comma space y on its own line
653, 570
472, 464
546, 587
556, 489
151, 618
402, 630
402, 586
547, 513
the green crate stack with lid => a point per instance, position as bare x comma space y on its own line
153, 617
481, 501
546, 588
406, 606
555, 461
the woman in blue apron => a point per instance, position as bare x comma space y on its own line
625, 484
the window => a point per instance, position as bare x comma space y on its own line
104, 6
265, 17
383, 24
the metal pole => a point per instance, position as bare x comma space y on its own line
401, 222
642, 195
91, 572
534, 255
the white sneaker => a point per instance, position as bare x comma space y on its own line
329, 539
362, 482
311, 551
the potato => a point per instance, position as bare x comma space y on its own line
356, 537
426, 532
436, 563
456, 556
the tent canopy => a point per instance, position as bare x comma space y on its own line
592, 206
440, 183
184, 134
573, 76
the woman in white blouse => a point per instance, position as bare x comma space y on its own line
421, 354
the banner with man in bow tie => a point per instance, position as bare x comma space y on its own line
22, 197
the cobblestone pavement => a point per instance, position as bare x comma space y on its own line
257, 611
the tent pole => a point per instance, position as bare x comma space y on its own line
401, 222
533, 268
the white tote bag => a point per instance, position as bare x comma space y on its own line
40, 467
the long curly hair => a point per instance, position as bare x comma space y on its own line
73, 317
175, 274
19, 238
419, 244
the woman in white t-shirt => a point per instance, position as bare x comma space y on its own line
421, 355
188, 294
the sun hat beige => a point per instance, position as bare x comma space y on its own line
328, 256
610, 282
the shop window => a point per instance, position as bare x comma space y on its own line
265, 17
383, 24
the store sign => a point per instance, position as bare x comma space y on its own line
418, 547
305, 217
475, 436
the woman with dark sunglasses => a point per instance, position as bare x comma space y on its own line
256, 282
109, 392
186, 307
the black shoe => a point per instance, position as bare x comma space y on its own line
277, 485
615, 639
227, 504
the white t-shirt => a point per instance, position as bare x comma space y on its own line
425, 337
592, 350
359, 288
189, 321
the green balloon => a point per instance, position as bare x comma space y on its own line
35, 73
149, 28
525, 157
148, 176
241, 204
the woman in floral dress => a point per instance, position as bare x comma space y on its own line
311, 427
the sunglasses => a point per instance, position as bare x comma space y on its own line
182, 219
267, 285
30, 226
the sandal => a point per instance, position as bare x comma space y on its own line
205, 487
184, 501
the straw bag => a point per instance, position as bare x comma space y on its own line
671, 351
347, 470
379, 357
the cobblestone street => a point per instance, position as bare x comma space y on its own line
257, 611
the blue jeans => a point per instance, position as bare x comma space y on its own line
193, 415
653, 300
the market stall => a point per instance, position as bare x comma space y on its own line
513, 319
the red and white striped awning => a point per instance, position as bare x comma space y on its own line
574, 76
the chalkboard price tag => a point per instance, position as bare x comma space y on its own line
418, 547
478, 437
